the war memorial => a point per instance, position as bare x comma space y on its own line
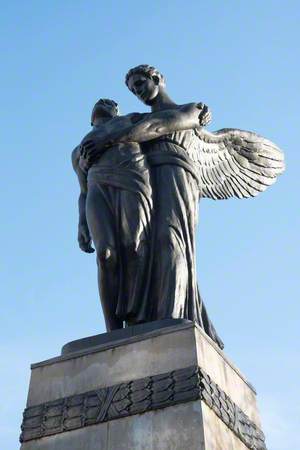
159, 377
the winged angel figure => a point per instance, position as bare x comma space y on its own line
220, 165
187, 163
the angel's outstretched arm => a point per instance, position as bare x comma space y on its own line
145, 127
157, 124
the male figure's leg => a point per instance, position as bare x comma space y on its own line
135, 217
101, 222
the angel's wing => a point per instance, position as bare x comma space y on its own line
235, 163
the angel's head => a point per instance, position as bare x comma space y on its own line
104, 108
145, 82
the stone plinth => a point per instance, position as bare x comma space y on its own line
164, 386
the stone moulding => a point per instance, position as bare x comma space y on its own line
137, 397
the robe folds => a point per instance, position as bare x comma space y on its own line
119, 209
176, 194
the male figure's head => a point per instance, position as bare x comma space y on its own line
104, 109
145, 82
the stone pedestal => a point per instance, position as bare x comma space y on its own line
161, 386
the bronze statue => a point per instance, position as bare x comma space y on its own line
183, 164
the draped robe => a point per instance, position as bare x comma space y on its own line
176, 193
118, 209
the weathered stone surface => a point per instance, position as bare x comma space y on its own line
138, 397
158, 370
157, 352
226, 375
112, 402
217, 435
174, 428
92, 370
95, 438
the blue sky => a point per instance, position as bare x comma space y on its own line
58, 58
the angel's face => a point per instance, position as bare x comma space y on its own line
144, 88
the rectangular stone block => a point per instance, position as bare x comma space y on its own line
170, 388
64, 376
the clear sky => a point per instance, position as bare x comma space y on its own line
58, 58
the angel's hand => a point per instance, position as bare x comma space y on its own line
84, 164
205, 116
87, 148
89, 152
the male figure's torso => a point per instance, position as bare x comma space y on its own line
122, 165
121, 153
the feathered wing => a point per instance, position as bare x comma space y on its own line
235, 163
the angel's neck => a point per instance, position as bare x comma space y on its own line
162, 101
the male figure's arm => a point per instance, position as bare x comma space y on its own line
84, 238
150, 126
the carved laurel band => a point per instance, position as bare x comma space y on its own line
136, 397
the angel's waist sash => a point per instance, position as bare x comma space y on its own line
167, 152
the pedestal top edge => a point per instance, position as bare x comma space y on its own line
119, 335
171, 327
168, 328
